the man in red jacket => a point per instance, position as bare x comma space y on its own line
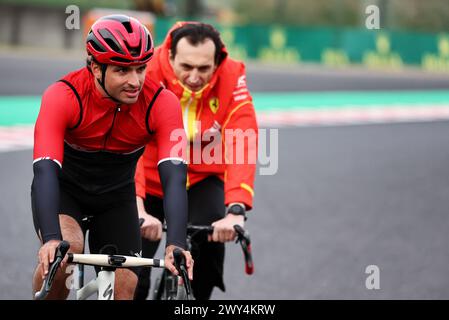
220, 123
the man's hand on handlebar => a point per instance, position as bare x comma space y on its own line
150, 227
46, 255
169, 261
224, 228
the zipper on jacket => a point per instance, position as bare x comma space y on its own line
186, 117
108, 134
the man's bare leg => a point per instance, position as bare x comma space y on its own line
71, 232
125, 284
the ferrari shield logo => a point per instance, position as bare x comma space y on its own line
213, 105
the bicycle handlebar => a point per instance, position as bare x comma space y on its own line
115, 261
60, 253
101, 260
243, 238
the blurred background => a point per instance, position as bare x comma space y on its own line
356, 102
267, 30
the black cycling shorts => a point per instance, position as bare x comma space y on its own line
113, 218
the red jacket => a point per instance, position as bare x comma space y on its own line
225, 103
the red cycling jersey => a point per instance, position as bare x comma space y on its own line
100, 141
73, 111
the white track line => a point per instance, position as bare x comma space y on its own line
21, 137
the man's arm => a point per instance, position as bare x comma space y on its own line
45, 198
240, 138
241, 144
56, 114
173, 179
166, 119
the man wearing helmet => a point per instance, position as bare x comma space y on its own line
90, 132
193, 63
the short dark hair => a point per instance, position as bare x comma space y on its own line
196, 33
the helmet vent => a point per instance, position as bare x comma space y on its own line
113, 45
109, 38
135, 52
97, 47
148, 56
149, 44
127, 26
117, 59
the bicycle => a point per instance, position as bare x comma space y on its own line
167, 285
103, 284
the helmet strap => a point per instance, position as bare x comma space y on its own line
102, 82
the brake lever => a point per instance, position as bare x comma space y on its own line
242, 234
60, 253
245, 242
180, 264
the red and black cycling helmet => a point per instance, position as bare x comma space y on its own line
119, 40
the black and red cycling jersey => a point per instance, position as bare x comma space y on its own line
96, 140
73, 111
